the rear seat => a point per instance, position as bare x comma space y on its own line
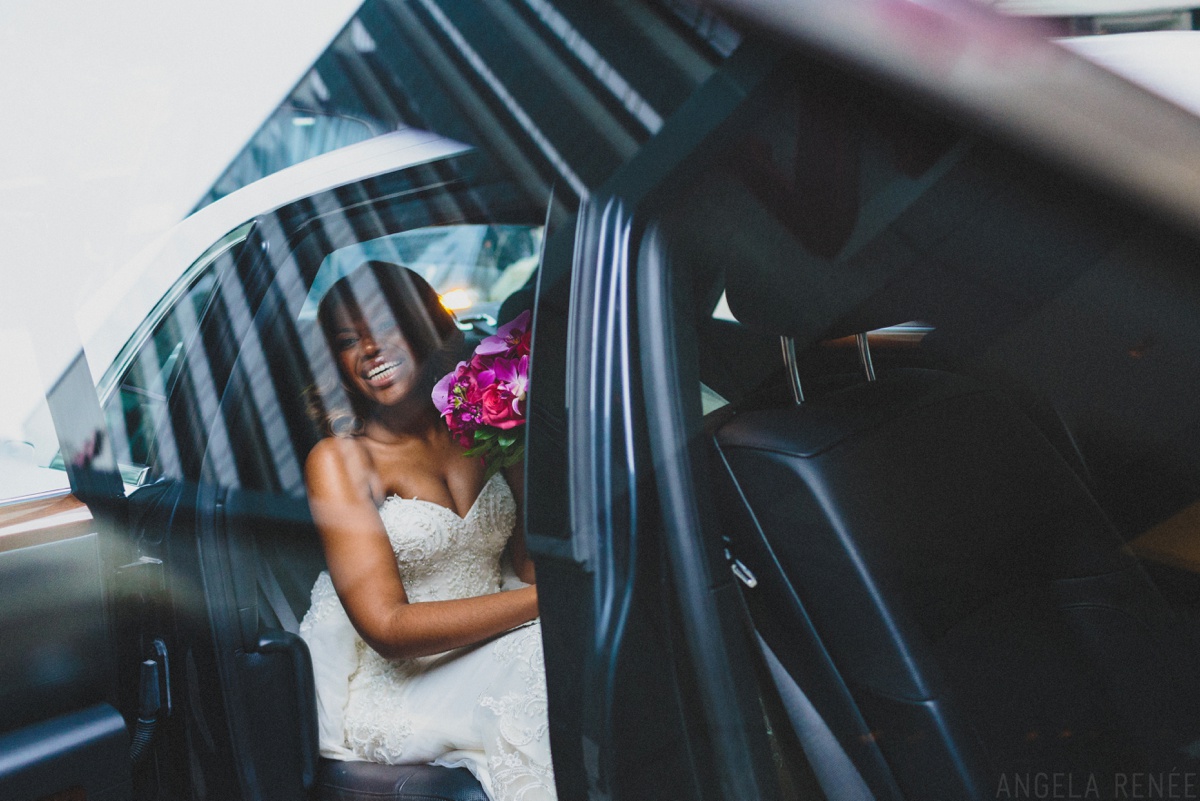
284, 562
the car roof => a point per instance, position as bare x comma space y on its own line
110, 316
1001, 75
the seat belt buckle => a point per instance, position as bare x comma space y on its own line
744, 574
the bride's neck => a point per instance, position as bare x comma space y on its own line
404, 421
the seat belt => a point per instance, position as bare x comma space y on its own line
273, 592
835, 772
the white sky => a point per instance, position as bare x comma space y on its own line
118, 115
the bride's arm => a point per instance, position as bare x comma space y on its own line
367, 579
522, 564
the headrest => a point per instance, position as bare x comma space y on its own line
777, 284
798, 213
835, 211
972, 245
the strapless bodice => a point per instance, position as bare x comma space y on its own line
443, 556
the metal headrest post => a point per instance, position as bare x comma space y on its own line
864, 356
789, 359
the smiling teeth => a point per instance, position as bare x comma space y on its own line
382, 370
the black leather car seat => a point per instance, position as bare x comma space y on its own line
284, 561
939, 581
371, 781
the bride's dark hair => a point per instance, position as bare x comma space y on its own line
428, 327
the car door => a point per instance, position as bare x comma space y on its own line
63, 734
664, 700
89, 617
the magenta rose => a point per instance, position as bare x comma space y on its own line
498, 408
484, 398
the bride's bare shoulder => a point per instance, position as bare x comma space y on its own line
338, 460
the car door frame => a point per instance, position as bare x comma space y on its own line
615, 479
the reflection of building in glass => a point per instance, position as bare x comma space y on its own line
397, 63
555, 121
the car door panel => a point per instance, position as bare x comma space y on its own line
52, 630
631, 695
79, 755
59, 731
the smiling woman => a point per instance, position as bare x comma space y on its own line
414, 645
216, 553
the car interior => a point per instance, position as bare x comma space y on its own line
939, 544
949, 538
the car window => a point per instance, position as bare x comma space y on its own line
234, 364
135, 389
473, 267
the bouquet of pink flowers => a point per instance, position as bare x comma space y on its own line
483, 399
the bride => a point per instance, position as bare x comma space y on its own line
418, 656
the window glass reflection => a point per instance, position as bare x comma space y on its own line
28, 443
473, 267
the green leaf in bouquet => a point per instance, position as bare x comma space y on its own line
493, 465
482, 449
507, 439
513, 455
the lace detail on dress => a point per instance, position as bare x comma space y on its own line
443, 556
322, 603
516, 756
375, 729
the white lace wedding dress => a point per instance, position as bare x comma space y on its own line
482, 707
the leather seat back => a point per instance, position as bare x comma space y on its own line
974, 602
